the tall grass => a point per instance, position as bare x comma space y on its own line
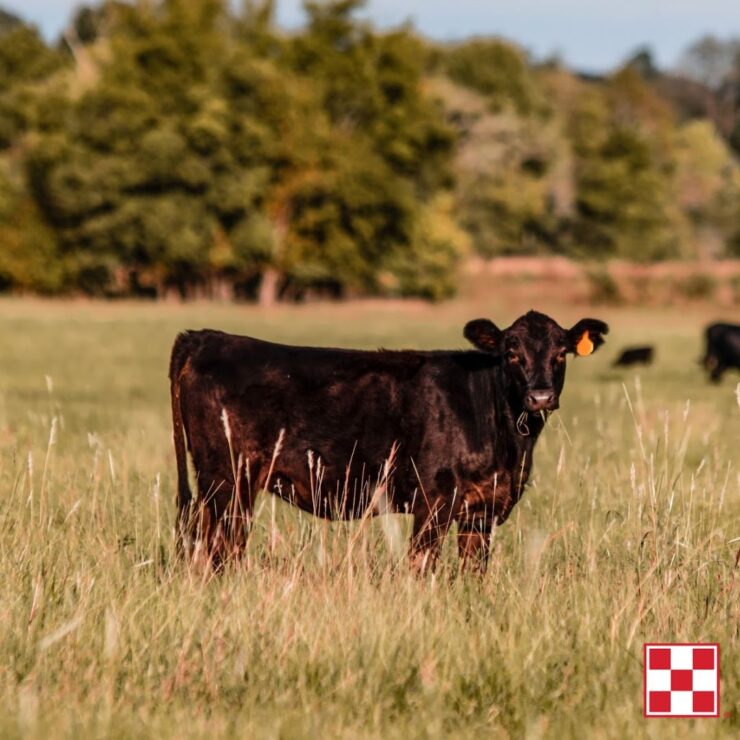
630, 532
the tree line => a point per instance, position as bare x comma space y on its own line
187, 146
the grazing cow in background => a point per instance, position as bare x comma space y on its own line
634, 356
722, 349
442, 435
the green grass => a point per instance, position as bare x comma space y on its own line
629, 533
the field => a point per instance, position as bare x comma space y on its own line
630, 532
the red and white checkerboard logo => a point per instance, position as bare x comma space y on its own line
681, 680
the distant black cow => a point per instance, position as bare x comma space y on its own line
634, 356
445, 435
722, 349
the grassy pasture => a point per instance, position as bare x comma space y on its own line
630, 532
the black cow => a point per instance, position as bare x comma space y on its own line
634, 356
442, 435
723, 349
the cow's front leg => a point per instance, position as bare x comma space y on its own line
474, 543
430, 527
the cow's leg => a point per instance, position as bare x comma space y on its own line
199, 530
216, 524
715, 367
214, 517
431, 524
474, 543
184, 529
237, 518
716, 374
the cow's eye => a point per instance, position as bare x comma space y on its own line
512, 356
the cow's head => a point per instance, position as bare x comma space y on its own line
533, 351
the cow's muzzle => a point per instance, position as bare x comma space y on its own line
541, 400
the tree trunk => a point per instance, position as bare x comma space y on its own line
222, 290
268, 287
268, 290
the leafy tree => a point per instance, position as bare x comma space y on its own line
29, 259
497, 70
209, 149
710, 60
25, 64
184, 144
508, 166
643, 63
390, 153
623, 202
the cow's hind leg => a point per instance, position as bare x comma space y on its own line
218, 522
237, 518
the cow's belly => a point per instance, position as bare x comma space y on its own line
350, 485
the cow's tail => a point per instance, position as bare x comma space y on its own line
180, 352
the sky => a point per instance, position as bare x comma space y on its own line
590, 35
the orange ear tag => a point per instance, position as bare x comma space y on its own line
585, 346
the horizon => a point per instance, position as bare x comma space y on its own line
573, 31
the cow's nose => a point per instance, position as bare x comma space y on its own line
541, 400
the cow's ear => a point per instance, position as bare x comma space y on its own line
484, 334
586, 336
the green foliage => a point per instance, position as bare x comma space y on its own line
24, 57
370, 86
208, 148
26, 66
508, 169
29, 259
498, 71
186, 144
622, 202
438, 245
193, 145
